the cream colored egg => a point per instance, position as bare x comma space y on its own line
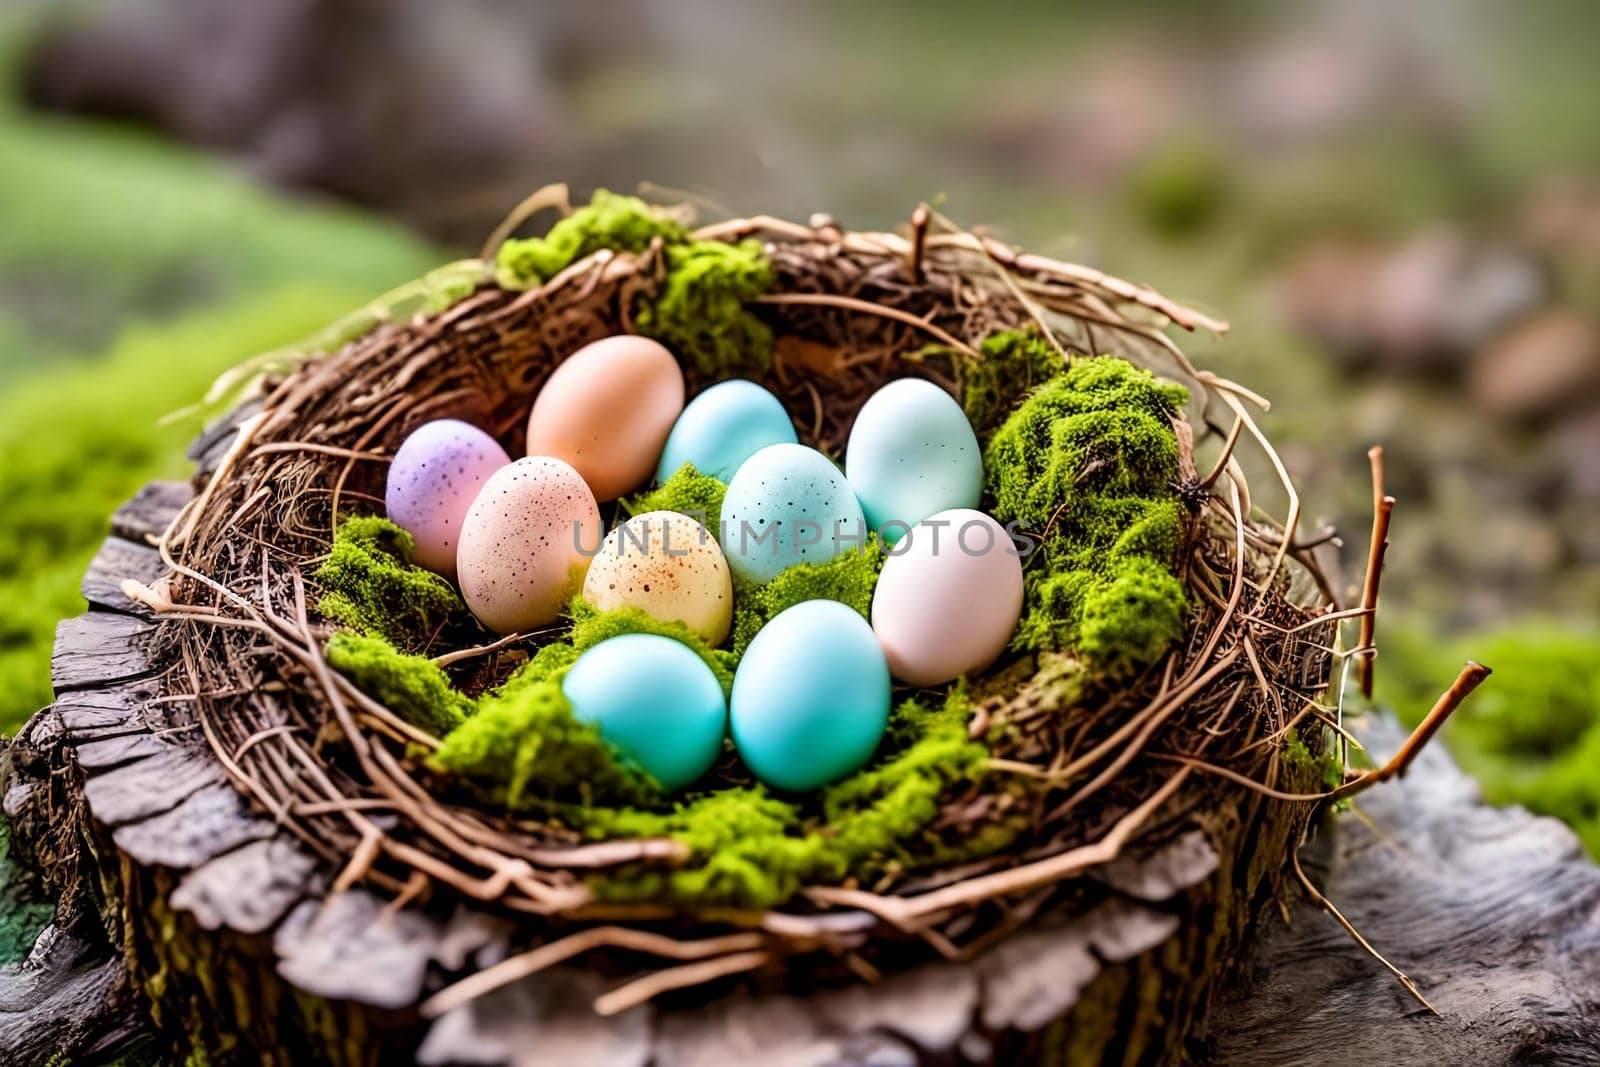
607, 410
669, 566
949, 597
526, 544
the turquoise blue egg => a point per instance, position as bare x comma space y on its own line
655, 700
723, 427
912, 453
811, 697
788, 504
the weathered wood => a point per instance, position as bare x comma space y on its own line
145, 517
205, 824
1495, 913
117, 561
150, 786
88, 714
67, 1002
99, 648
250, 888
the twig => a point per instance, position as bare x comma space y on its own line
1327, 905
1471, 676
1382, 505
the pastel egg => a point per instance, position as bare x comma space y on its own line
810, 697
667, 565
607, 410
911, 453
433, 479
948, 599
723, 427
526, 544
655, 700
787, 504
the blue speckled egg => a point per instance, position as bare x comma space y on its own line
655, 700
433, 480
788, 504
811, 697
723, 427
911, 453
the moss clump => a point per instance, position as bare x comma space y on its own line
523, 745
370, 584
700, 312
848, 578
1326, 768
1014, 362
687, 491
1089, 465
412, 687
625, 223
748, 848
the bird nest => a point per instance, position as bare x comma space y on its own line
1079, 770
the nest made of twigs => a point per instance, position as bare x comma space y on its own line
1119, 771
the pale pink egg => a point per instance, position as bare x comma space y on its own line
433, 480
526, 544
949, 597
607, 411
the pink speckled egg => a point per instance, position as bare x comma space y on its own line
949, 597
607, 410
433, 480
526, 544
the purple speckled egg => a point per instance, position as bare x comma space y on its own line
434, 479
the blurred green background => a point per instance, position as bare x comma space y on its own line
1398, 207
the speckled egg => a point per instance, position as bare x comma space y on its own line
911, 453
433, 480
723, 427
948, 599
787, 504
607, 411
669, 566
810, 697
655, 700
526, 543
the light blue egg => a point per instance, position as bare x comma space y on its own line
788, 504
655, 700
811, 697
723, 427
911, 453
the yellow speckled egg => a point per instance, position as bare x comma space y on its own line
669, 566
607, 410
526, 543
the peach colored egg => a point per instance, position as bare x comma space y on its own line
607, 410
526, 544
669, 566
949, 597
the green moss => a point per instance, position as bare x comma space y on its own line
687, 491
410, 686
523, 745
22, 915
370, 584
590, 627
1088, 464
624, 223
1327, 767
848, 578
1014, 363
748, 848
701, 313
